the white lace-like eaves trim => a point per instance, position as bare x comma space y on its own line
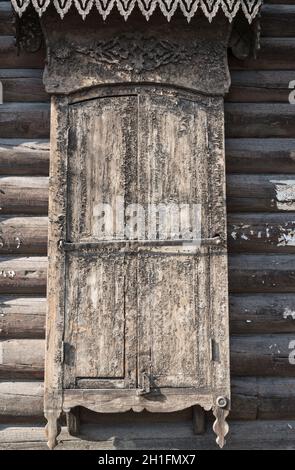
168, 7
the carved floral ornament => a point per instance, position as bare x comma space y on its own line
168, 7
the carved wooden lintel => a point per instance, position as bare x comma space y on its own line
136, 51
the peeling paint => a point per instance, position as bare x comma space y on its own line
289, 314
234, 235
244, 237
287, 237
285, 194
18, 242
10, 274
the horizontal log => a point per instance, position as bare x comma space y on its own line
261, 233
24, 120
259, 120
9, 58
23, 275
262, 273
262, 313
23, 235
261, 193
24, 157
274, 54
23, 85
21, 399
22, 317
23, 195
260, 155
263, 355
278, 20
263, 398
21, 358
260, 86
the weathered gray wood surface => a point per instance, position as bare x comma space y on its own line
265, 316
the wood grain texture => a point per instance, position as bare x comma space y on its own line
264, 273
263, 355
23, 275
22, 317
23, 85
252, 156
260, 86
23, 195
274, 54
21, 359
262, 120
23, 235
278, 20
24, 157
20, 400
261, 313
164, 115
24, 120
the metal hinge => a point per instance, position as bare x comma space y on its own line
62, 352
214, 350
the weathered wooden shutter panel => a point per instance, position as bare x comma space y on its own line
142, 318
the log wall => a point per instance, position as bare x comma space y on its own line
260, 150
